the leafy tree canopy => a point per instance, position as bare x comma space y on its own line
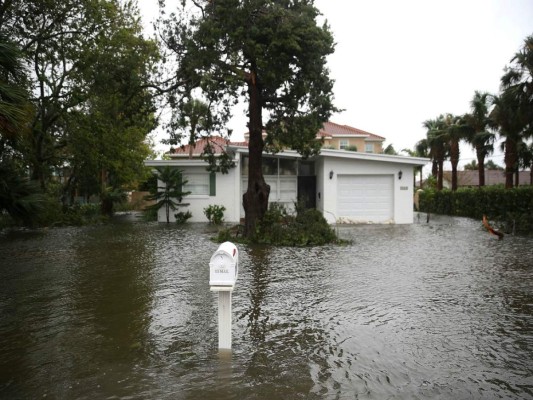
224, 47
491, 165
273, 53
390, 150
88, 70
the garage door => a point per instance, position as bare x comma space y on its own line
365, 198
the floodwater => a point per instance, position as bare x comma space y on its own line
123, 311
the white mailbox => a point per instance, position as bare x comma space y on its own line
224, 266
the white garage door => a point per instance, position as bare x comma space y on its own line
365, 198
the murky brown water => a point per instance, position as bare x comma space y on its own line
124, 311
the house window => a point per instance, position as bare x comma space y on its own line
270, 166
369, 147
281, 174
343, 143
287, 166
197, 184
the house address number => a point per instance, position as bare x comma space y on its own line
404, 188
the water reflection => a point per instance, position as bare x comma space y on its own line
259, 267
437, 310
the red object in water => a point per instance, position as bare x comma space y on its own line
490, 228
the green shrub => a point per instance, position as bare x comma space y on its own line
215, 214
280, 228
53, 214
511, 208
182, 217
6, 221
123, 206
307, 228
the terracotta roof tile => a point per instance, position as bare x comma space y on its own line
217, 143
333, 129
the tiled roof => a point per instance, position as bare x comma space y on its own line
333, 129
492, 177
217, 143
238, 144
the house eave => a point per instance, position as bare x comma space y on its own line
344, 154
284, 153
187, 162
355, 155
347, 135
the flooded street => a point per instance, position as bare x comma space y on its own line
123, 311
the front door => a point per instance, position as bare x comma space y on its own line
307, 191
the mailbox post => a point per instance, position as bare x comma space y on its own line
223, 273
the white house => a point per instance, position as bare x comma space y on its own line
346, 186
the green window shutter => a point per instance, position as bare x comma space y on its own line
213, 184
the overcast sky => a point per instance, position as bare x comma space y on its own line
399, 63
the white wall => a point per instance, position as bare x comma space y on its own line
403, 189
404, 196
229, 192
320, 185
227, 188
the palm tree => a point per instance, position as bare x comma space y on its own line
472, 166
492, 166
196, 116
513, 112
506, 116
19, 197
14, 103
192, 120
453, 129
478, 135
518, 79
525, 160
437, 148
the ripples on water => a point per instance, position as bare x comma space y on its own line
422, 311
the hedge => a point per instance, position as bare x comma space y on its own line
512, 209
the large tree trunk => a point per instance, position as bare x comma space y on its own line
37, 163
454, 159
440, 168
192, 139
510, 159
480, 166
440, 175
434, 168
255, 200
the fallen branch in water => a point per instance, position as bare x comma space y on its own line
491, 229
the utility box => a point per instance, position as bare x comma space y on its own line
224, 267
